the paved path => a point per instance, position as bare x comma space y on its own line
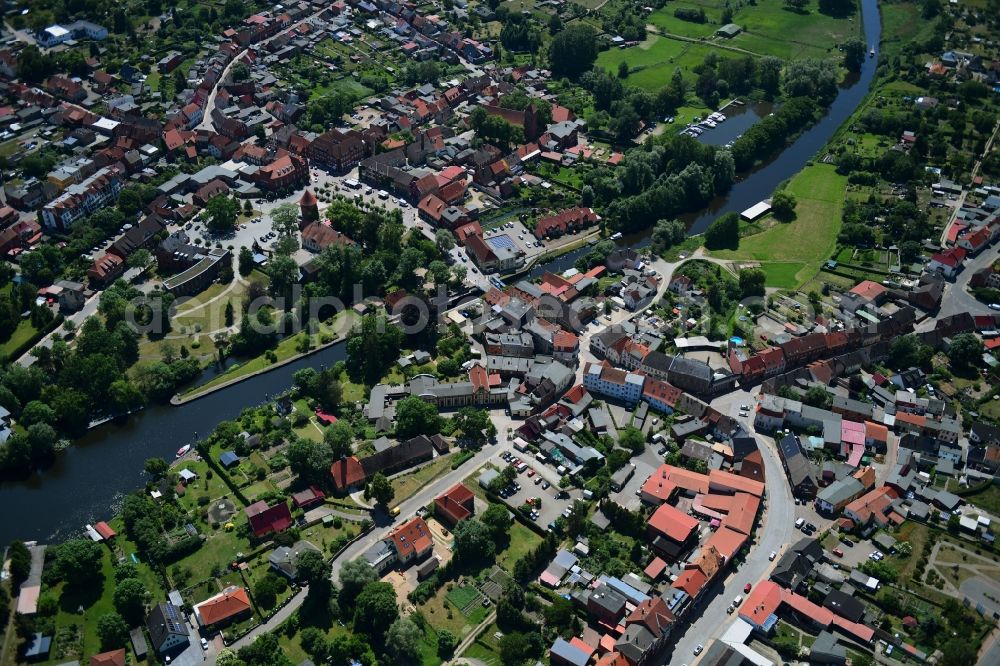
471, 638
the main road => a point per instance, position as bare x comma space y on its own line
775, 530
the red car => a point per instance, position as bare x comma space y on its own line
746, 588
838, 552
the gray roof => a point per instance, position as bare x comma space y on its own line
840, 490
569, 653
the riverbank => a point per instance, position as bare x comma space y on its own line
254, 367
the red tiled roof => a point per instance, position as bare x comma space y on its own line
868, 290
673, 523
265, 519
727, 541
105, 531
223, 606
655, 568
346, 473
112, 658
413, 535
729, 481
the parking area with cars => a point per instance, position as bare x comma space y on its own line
530, 485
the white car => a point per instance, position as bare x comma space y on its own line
773, 555
204, 643
994, 306
698, 649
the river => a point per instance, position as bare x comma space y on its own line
91, 477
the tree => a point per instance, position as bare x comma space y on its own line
559, 614
222, 212
632, 439
445, 240
966, 352
32, 66
380, 489
311, 568
340, 437
156, 468
623, 70
416, 417
245, 261
130, 599
285, 221
723, 233
475, 425
403, 641
372, 348
310, 460
783, 205
20, 562
268, 588
497, 519
240, 72
354, 576
446, 644
854, 54
573, 51
112, 630
752, 282
797, 5
513, 649
77, 562
836, 7
958, 652
375, 610
474, 542
229, 314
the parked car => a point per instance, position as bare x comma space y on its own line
847, 542
698, 649
773, 555
746, 588
838, 552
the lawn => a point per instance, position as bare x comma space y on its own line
216, 555
212, 488
486, 648
653, 60
21, 335
901, 25
665, 20
286, 349
987, 499
782, 275
441, 613
95, 598
810, 239
771, 29
522, 539
407, 484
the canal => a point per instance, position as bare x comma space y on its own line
91, 477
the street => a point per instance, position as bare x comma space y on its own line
775, 530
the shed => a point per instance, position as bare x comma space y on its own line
729, 30
759, 208
427, 567
229, 459
139, 644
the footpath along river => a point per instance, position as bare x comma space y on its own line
90, 478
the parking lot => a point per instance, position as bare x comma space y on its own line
645, 463
551, 506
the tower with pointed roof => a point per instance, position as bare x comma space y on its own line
309, 206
